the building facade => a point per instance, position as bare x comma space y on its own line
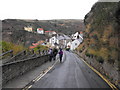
28, 28
40, 30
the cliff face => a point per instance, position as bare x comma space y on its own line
101, 38
102, 31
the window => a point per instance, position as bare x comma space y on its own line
75, 44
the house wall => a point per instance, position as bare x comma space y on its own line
28, 29
40, 31
74, 36
53, 40
74, 44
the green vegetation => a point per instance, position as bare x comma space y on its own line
41, 48
6, 46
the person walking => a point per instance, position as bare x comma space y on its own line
50, 54
55, 51
60, 55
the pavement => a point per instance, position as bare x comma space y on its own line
23, 80
71, 73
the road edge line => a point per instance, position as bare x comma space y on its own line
97, 72
40, 76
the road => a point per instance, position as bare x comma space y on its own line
71, 73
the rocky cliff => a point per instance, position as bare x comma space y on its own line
102, 31
102, 37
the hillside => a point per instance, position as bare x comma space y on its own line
13, 29
102, 37
70, 25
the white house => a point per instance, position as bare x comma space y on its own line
59, 40
75, 44
53, 41
63, 40
40, 30
77, 35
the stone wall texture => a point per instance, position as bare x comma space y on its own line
17, 68
111, 72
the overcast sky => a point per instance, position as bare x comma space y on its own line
45, 9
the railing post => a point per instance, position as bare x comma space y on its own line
11, 53
39, 51
33, 51
43, 52
24, 52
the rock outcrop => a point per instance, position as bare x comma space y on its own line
102, 38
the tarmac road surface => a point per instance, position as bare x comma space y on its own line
71, 73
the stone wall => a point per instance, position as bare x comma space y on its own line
17, 68
108, 70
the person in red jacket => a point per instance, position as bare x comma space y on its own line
60, 55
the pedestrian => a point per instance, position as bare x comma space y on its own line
55, 51
60, 55
50, 54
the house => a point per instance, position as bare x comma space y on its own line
28, 28
40, 30
63, 40
77, 35
53, 41
50, 33
59, 40
77, 38
74, 44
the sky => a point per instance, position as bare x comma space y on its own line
45, 9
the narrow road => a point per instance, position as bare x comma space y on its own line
71, 73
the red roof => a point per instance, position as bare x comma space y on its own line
40, 28
32, 47
49, 31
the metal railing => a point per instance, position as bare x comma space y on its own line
23, 55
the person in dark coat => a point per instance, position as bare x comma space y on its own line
55, 51
50, 55
60, 55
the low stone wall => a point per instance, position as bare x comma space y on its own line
14, 69
109, 71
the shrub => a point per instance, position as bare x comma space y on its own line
87, 54
100, 59
6, 46
41, 48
